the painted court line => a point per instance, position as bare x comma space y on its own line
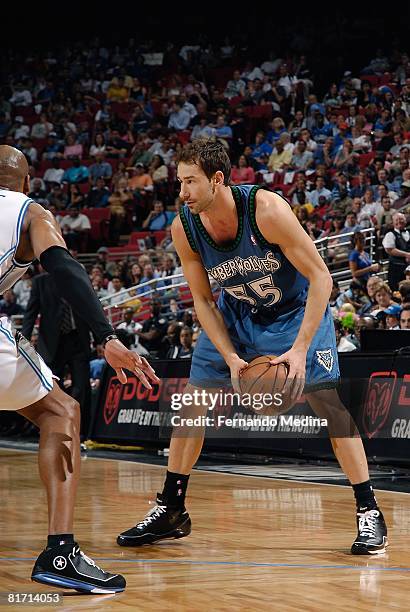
236, 564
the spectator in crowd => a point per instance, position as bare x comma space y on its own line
360, 262
392, 314
405, 317
343, 330
404, 289
171, 342
158, 172
397, 245
141, 182
97, 366
117, 91
73, 148
242, 173
100, 169
22, 289
98, 145
57, 197
185, 349
78, 173
158, 218
132, 327
179, 118
319, 192
373, 283
280, 158
38, 194
235, 86
54, 174
76, 198
9, 306
153, 329
150, 275
117, 146
302, 159
175, 310
99, 195
119, 200
383, 298
75, 228
384, 216
53, 147
21, 96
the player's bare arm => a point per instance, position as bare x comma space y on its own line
208, 313
41, 239
279, 226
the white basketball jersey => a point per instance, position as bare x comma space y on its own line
13, 207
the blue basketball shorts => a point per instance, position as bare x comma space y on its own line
252, 338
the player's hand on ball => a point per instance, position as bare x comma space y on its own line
295, 383
236, 365
120, 358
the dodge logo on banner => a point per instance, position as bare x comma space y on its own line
112, 399
378, 400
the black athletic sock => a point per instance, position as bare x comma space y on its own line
364, 495
59, 538
175, 487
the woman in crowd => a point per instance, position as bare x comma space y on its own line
98, 145
360, 262
242, 173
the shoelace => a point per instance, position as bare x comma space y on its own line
367, 523
77, 551
152, 515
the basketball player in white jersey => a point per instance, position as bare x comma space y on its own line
28, 232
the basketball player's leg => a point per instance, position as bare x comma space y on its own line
169, 518
27, 386
187, 441
57, 415
349, 451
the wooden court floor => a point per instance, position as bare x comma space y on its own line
257, 543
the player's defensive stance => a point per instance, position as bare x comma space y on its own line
274, 301
28, 232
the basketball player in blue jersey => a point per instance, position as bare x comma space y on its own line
28, 232
274, 301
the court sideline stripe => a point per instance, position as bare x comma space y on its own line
236, 564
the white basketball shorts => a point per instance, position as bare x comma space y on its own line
24, 376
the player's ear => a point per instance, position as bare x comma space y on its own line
26, 187
219, 177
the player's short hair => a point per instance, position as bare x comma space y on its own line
210, 155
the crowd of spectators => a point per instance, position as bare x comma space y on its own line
102, 129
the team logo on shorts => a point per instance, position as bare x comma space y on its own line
60, 563
325, 359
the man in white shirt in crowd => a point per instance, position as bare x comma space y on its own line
21, 96
54, 174
74, 226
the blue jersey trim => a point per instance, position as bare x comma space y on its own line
8, 334
41, 376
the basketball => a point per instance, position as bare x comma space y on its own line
262, 378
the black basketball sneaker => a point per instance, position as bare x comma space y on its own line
67, 567
371, 533
161, 523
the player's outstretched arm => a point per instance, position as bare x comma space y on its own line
208, 313
41, 239
280, 226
